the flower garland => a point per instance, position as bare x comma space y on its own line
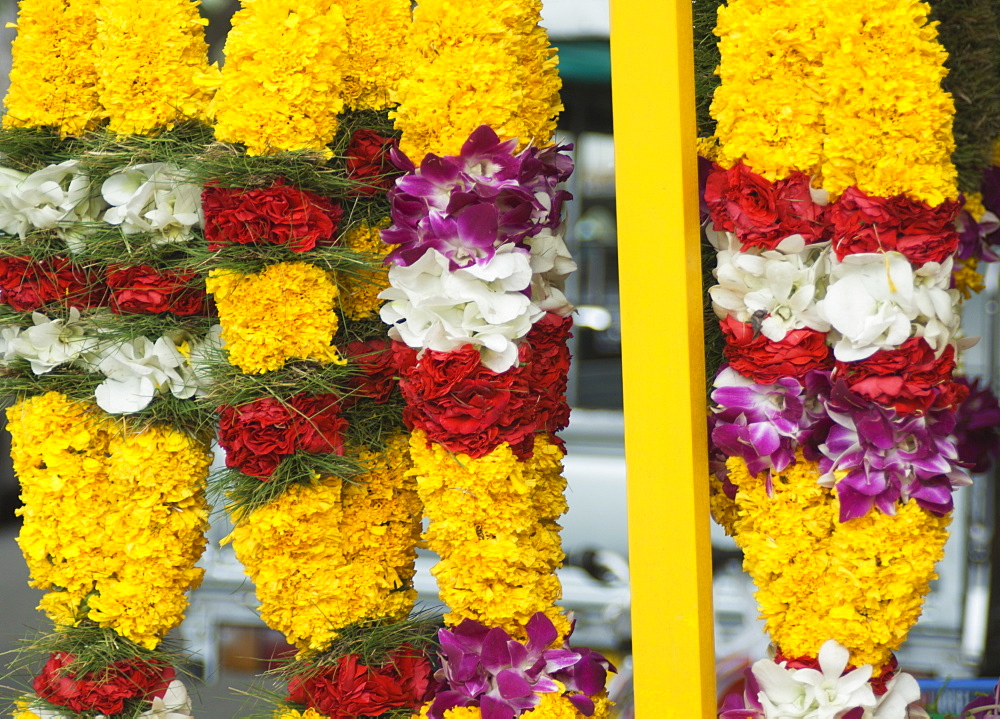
833, 461
53, 80
488, 64
280, 89
152, 65
326, 556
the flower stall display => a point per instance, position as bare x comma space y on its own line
833, 416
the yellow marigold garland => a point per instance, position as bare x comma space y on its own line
53, 80
283, 312
850, 96
359, 291
113, 520
335, 553
152, 62
281, 83
493, 524
861, 582
376, 38
477, 64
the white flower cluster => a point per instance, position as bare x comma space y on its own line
490, 305
868, 301
174, 704
156, 198
830, 693
136, 370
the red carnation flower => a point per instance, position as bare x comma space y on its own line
27, 285
104, 692
259, 434
762, 213
350, 689
466, 407
547, 370
146, 290
909, 378
863, 223
376, 361
765, 361
368, 162
279, 215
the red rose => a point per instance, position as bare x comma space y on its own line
863, 223
376, 361
765, 361
104, 692
146, 290
259, 434
466, 407
762, 213
26, 284
909, 378
368, 162
279, 215
350, 689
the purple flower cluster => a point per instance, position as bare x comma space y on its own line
466, 206
487, 668
977, 427
887, 457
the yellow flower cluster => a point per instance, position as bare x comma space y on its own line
493, 524
152, 63
359, 290
861, 582
851, 95
113, 520
968, 279
477, 64
551, 706
281, 83
337, 552
53, 80
376, 37
284, 312
295, 714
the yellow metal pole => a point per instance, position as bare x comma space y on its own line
663, 362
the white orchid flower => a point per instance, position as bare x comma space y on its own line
153, 197
430, 307
203, 353
175, 704
782, 284
901, 691
871, 303
49, 343
937, 318
551, 263
55, 197
811, 694
138, 370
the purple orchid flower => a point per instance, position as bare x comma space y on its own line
984, 707
745, 705
977, 427
889, 458
467, 206
760, 423
488, 668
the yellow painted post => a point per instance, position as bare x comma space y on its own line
663, 361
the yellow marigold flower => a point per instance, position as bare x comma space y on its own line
968, 280
151, 59
281, 82
376, 37
112, 517
328, 555
852, 96
284, 312
493, 524
552, 706
974, 205
359, 290
861, 582
53, 80
708, 147
295, 714
477, 64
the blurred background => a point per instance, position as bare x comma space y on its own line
228, 642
